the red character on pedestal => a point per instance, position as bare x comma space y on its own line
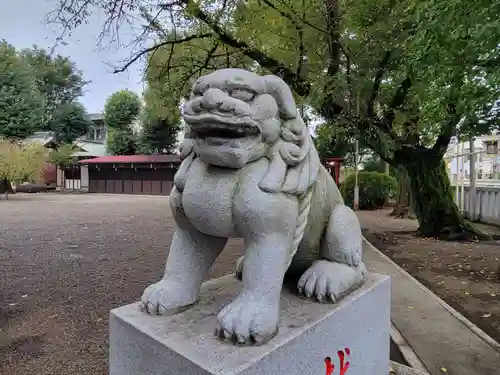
329, 366
344, 365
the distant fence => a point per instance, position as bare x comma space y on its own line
487, 203
480, 183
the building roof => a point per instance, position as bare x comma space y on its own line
45, 138
131, 159
90, 148
96, 116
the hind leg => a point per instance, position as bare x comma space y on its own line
341, 269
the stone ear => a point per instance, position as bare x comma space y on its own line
280, 91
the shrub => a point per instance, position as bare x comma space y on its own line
375, 189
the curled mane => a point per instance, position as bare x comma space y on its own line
294, 160
187, 156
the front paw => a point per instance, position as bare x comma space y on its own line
249, 320
167, 298
330, 281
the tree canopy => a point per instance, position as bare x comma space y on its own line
398, 74
69, 121
160, 120
22, 105
39, 92
57, 79
121, 110
21, 162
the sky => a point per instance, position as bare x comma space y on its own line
22, 25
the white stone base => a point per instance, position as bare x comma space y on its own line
184, 344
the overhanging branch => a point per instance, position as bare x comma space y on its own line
398, 100
448, 130
298, 83
294, 18
382, 68
138, 55
333, 29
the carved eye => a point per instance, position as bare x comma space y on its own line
196, 92
243, 94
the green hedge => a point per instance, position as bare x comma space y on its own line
375, 189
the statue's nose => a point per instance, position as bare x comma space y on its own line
213, 99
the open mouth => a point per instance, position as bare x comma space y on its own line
213, 126
224, 131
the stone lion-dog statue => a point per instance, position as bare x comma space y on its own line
250, 170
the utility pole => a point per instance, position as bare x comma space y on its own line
472, 180
462, 178
457, 183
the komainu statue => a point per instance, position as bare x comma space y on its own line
250, 170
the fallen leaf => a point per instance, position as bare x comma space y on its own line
411, 307
443, 369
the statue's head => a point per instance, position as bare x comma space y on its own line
235, 117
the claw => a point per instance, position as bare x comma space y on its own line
150, 308
241, 339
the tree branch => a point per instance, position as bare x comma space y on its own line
398, 99
333, 27
298, 83
302, 48
489, 64
293, 19
448, 130
382, 68
138, 55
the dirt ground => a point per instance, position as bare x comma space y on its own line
465, 275
65, 261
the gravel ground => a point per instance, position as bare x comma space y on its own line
65, 261
464, 274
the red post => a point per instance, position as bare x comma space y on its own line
332, 165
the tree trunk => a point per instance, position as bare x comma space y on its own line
436, 211
403, 199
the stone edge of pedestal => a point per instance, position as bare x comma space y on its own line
377, 280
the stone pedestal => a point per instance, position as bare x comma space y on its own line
184, 344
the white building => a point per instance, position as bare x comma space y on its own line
487, 158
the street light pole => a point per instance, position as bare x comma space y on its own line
356, 157
356, 187
472, 180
